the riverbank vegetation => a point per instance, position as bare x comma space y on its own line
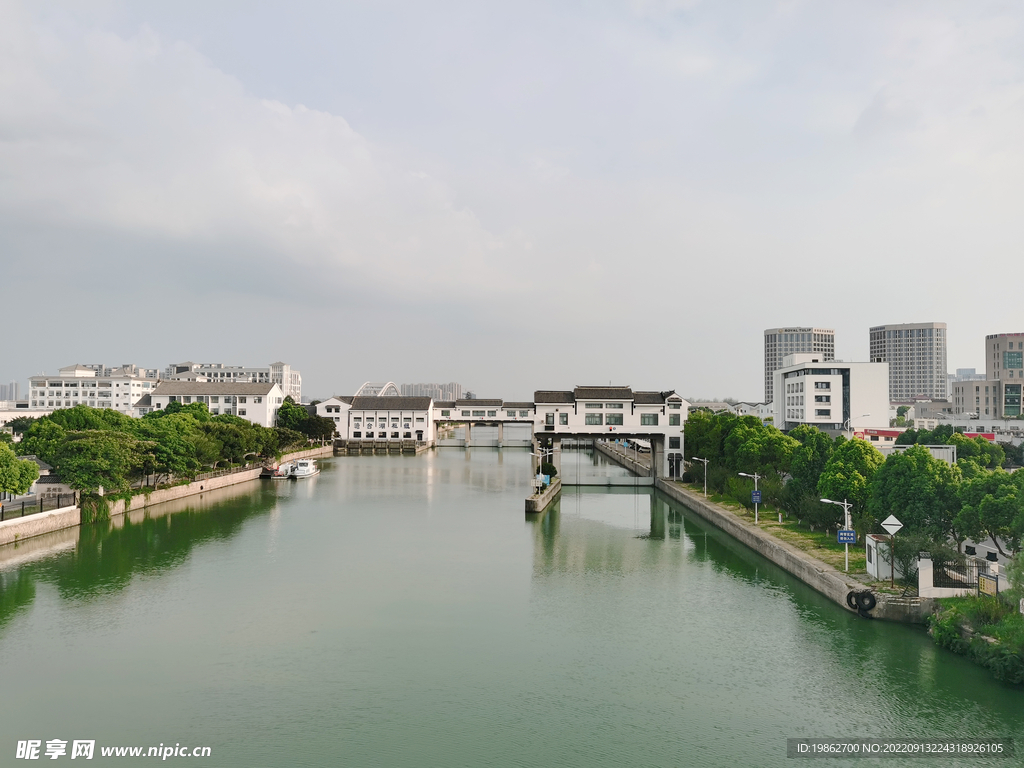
986, 628
92, 448
940, 505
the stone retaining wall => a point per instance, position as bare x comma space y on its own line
18, 529
818, 575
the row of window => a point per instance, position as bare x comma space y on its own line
384, 435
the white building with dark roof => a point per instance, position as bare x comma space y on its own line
336, 409
258, 403
613, 413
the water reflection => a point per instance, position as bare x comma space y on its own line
107, 556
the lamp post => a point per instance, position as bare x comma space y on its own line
694, 458
848, 424
846, 523
756, 496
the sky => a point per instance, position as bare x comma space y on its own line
514, 196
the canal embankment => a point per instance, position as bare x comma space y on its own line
817, 574
19, 529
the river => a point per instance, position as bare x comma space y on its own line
401, 611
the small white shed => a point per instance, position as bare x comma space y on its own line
877, 550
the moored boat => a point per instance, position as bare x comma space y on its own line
304, 468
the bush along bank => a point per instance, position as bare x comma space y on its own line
989, 630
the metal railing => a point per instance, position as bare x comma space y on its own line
26, 507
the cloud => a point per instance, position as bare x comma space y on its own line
148, 138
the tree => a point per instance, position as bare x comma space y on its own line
93, 459
847, 475
319, 428
21, 424
43, 439
16, 475
809, 457
291, 416
993, 507
921, 491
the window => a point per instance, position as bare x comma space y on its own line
592, 405
524, 414
492, 413
478, 413
241, 411
407, 435
419, 419
648, 419
593, 419
446, 414
257, 399
675, 406
465, 413
823, 398
823, 412
511, 414
613, 419
394, 435
673, 419
563, 419
673, 442
549, 419
616, 406
357, 434
822, 385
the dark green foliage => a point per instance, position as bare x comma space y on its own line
91, 448
20, 424
547, 468
963, 621
16, 475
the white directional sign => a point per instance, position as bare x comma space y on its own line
892, 525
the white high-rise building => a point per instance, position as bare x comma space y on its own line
779, 342
916, 354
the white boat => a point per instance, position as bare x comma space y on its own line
304, 468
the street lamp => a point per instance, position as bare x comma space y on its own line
846, 523
848, 426
756, 496
694, 458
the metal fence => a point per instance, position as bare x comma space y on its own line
958, 575
25, 507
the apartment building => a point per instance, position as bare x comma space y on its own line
916, 354
84, 385
830, 394
779, 342
256, 402
289, 379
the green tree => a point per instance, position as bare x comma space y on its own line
43, 439
92, 459
291, 416
993, 507
847, 475
21, 424
922, 491
809, 458
319, 428
16, 475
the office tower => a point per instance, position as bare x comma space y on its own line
779, 342
916, 354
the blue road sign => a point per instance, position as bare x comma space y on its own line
846, 536
755, 497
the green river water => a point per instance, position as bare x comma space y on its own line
401, 611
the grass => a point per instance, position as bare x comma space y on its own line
818, 544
